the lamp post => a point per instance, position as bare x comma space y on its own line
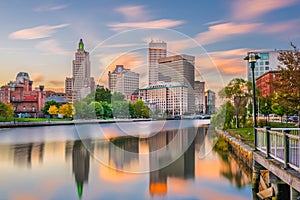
252, 58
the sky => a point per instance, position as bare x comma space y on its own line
41, 37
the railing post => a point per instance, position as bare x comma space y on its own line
286, 151
268, 142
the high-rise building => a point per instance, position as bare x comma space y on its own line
123, 80
81, 83
210, 101
162, 97
268, 62
199, 96
179, 68
156, 51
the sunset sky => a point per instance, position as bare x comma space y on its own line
41, 37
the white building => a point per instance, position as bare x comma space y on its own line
123, 80
162, 97
156, 51
81, 83
268, 62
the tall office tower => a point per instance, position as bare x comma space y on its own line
268, 62
156, 51
210, 101
199, 97
179, 68
123, 80
81, 83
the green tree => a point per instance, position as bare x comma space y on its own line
238, 90
141, 109
47, 106
117, 96
224, 117
97, 106
120, 109
103, 95
107, 108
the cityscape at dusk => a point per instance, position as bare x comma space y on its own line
41, 37
150, 99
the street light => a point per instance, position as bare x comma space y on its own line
252, 58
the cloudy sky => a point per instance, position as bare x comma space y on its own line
41, 37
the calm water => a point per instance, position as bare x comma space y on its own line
171, 160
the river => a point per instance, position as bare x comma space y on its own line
134, 160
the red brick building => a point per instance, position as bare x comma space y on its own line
263, 83
24, 99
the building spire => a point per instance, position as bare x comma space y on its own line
81, 45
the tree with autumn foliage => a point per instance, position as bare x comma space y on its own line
53, 110
288, 86
67, 110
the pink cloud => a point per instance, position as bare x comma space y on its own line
36, 32
133, 13
223, 31
51, 47
244, 10
162, 23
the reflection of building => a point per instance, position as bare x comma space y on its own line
81, 165
123, 80
164, 148
123, 151
179, 68
163, 96
156, 51
210, 101
25, 100
199, 96
25, 155
81, 83
263, 83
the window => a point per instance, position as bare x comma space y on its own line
267, 63
264, 56
261, 63
267, 68
24, 108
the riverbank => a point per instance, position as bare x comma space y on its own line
242, 150
58, 123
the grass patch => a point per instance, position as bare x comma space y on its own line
246, 135
11, 119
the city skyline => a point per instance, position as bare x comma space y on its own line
40, 39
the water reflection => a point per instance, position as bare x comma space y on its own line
76, 170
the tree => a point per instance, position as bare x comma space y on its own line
288, 86
47, 106
141, 109
97, 106
6, 110
53, 110
107, 108
103, 95
223, 119
238, 90
66, 110
120, 108
117, 96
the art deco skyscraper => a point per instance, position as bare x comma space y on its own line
156, 50
81, 83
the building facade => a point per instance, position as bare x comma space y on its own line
199, 96
179, 68
162, 97
25, 100
210, 101
123, 80
268, 62
263, 83
156, 51
81, 83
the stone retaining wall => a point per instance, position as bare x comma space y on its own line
243, 151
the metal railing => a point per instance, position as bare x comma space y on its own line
282, 144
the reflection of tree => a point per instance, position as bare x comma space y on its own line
232, 168
81, 165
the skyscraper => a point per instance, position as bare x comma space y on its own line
123, 80
179, 68
156, 51
81, 83
199, 96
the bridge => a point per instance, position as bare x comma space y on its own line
276, 163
